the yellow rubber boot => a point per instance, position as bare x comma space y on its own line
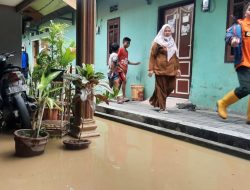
248, 112
223, 103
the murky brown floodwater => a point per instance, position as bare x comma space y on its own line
123, 158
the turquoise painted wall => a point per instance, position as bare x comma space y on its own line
139, 22
211, 77
70, 35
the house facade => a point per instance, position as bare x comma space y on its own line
207, 71
206, 64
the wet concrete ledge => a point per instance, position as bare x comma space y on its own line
228, 142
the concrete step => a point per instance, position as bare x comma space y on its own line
228, 141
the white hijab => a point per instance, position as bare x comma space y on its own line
167, 42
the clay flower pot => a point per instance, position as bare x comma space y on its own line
50, 114
76, 144
26, 145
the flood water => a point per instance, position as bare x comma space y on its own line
123, 158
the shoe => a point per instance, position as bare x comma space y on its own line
223, 103
120, 100
163, 111
125, 99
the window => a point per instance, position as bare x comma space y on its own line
235, 11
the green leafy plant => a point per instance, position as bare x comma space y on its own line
45, 98
90, 83
57, 55
60, 53
112, 95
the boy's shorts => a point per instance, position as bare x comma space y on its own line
112, 78
122, 76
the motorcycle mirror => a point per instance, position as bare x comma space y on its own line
2, 58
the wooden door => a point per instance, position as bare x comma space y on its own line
113, 33
181, 18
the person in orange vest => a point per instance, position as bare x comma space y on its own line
238, 36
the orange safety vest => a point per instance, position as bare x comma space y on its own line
245, 26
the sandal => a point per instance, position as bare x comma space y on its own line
125, 99
120, 100
163, 111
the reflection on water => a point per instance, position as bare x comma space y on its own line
123, 158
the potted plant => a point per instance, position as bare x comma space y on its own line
89, 84
31, 142
73, 144
90, 87
59, 52
57, 55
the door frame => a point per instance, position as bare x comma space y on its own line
161, 11
108, 23
35, 52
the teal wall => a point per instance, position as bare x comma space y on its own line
139, 22
211, 77
70, 35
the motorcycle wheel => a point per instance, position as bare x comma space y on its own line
23, 112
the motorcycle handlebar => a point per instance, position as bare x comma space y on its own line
8, 54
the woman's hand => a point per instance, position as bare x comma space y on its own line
150, 73
178, 73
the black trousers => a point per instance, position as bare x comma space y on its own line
25, 73
244, 80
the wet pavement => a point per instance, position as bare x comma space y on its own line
205, 125
123, 158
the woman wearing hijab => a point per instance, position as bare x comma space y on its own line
164, 63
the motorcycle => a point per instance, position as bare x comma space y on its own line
15, 104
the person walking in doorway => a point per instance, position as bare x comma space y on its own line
164, 63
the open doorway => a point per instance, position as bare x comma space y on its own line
35, 51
